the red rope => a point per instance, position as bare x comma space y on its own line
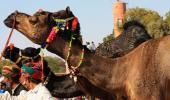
42, 62
9, 37
42, 69
74, 23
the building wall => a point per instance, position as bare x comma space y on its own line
119, 9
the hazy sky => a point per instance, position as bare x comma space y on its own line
95, 16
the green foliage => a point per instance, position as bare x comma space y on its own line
167, 21
157, 28
154, 23
167, 18
56, 64
135, 14
108, 37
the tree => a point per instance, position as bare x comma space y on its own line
153, 22
108, 37
135, 14
167, 21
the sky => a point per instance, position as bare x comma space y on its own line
95, 16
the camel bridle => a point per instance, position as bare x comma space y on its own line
9, 37
62, 24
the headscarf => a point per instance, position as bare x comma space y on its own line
11, 71
32, 70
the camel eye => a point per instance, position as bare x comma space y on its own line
33, 19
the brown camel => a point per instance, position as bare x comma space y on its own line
142, 74
84, 84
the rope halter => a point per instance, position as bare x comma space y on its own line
62, 24
9, 37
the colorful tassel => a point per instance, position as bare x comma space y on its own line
74, 23
52, 34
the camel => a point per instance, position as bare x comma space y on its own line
60, 86
142, 74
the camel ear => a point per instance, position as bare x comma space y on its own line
68, 10
50, 18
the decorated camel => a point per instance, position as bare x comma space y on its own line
69, 88
133, 35
142, 74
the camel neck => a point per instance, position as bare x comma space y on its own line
74, 55
99, 71
95, 68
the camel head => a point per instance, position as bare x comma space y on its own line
14, 53
36, 27
11, 53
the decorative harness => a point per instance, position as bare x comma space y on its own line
63, 25
22, 57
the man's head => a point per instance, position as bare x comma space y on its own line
87, 43
11, 73
2, 85
31, 73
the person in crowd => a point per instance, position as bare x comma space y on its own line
91, 46
2, 85
11, 75
31, 78
88, 45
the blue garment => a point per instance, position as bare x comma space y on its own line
2, 91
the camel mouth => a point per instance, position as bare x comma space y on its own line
6, 53
8, 23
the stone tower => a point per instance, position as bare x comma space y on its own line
119, 9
